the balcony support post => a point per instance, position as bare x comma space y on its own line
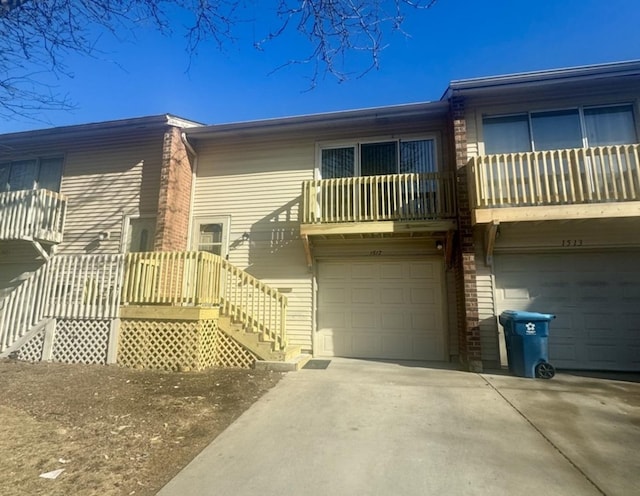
490, 234
307, 249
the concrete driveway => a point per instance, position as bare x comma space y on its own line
374, 428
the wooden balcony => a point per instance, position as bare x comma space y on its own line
579, 183
378, 204
33, 215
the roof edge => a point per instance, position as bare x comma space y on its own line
593, 71
150, 121
312, 120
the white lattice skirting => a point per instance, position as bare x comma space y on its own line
71, 341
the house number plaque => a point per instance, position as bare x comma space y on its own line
571, 243
375, 253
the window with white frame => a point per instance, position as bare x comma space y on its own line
40, 173
377, 158
212, 235
560, 129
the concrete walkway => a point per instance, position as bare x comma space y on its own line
374, 428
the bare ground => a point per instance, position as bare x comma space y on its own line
114, 431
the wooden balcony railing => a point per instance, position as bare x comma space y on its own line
556, 177
394, 197
32, 214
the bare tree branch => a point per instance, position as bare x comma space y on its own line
37, 35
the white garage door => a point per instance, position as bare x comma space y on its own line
596, 297
381, 309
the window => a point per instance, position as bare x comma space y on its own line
560, 129
19, 175
212, 235
378, 158
141, 233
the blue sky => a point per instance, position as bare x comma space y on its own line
455, 39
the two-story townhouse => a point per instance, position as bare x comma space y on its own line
350, 214
554, 183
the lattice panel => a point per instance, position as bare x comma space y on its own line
232, 354
31, 351
167, 345
81, 341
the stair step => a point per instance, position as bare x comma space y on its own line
291, 365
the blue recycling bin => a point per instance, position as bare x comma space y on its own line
526, 335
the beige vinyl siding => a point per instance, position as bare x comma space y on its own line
259, 186
104, 182
486, 314
569, 236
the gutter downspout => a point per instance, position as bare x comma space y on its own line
192, 151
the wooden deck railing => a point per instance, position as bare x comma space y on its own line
172, 278
556, 177
66, 287
32, 214
200, 278
249, 300
394, 197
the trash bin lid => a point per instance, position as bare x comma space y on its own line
522, 315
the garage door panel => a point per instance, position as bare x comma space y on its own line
361, 294
332, 295
422, 271
391, 271
364, 271
595, 298
392, 296
398, 314
363, 320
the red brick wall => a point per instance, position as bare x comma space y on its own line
469, 343
172, 225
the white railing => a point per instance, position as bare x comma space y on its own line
394, 197
557, 177
32, 214
71, 287
252, 302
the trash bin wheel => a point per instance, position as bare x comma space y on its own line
545, 370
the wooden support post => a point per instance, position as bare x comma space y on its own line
307, 250
448, 249
490, 241
49, 337
112, 347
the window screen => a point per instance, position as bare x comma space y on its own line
338, 162
610, 126
506, 134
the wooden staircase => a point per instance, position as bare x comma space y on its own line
254, 314
251, 312
255, 342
